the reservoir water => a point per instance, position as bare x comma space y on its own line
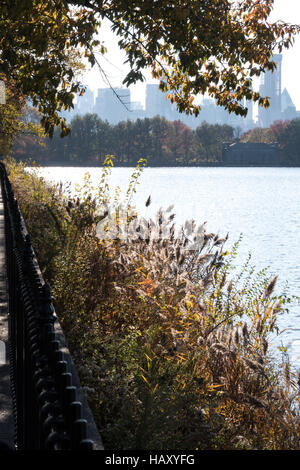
263, 204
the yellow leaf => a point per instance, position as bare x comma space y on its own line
143, 377
212, 387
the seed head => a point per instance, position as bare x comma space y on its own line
270, 287
286, 373
245, 332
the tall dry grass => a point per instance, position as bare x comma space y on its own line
172, 347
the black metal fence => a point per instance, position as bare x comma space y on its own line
47, 411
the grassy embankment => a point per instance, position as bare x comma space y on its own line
172, 345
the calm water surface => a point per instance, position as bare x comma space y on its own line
260, 203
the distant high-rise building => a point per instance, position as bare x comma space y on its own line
213, 114
115, 105
136, 106
249, 117
287, 106
286, 100
111, 104
85, 103
157, 103
271, 86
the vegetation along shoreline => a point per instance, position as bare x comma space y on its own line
164, 144
171, 345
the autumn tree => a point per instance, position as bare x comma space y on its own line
13, 117
258, 135
176, 39
180, 142
10, 111
210, 138
289, 143
278, 127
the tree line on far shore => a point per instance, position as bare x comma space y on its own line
161, 142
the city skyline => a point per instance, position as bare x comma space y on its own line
112, 62
118, 104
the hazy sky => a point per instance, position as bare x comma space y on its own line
289, 10
286, 10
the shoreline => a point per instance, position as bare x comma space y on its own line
206, 165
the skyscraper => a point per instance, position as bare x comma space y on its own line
111, 108
271, 86
85, 103
157, 103
249, 117
287, 106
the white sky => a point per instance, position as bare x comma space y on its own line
285, 10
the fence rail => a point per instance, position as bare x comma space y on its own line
48, 413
